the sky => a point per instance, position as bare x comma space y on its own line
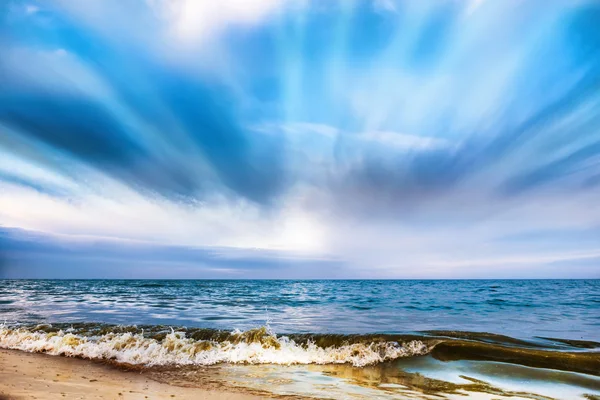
300, 139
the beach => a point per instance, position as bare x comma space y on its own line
301, 199
26, 375
300, 339
40, 376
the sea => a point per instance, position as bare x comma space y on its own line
333, 339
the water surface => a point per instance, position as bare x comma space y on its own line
566, 309
526, 339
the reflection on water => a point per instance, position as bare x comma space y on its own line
417, 378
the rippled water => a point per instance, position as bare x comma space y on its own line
520, 308
490, 339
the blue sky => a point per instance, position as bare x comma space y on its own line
300, 139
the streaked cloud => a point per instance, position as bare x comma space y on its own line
388, 136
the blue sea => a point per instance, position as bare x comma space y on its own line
325, 338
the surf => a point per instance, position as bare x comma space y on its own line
255, 346
170, 346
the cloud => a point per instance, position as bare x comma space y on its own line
297, 128
385, 5
193, 21
119, 211
395, 140
31, 9
404, 141
401, 143
30, 254
118, 129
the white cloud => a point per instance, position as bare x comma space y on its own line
395, 140
297, 128
62, 71
457, 235
385, 5
120, 212
193, 21
169, 29
527, 260
472, 6
27, 170
402, 141
31, 9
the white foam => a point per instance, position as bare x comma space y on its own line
177, 349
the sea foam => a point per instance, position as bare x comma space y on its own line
256, 346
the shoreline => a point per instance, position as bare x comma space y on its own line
26, 375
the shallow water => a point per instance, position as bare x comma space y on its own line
333, 339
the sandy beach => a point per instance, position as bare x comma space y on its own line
25, 375
39, 376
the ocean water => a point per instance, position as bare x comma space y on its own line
327, 339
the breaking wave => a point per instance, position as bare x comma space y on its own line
179, 347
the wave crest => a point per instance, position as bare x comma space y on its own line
255, 346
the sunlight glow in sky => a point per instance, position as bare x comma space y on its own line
300, 139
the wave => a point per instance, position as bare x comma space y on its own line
155, 345
255, 346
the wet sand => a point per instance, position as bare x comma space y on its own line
39, 376
26, 375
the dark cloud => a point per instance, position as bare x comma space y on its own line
50, 190
182, 122
27, 254
85, 130
194, 119
401, 183
177, 128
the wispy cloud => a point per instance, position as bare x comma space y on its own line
387, 135
396, 140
